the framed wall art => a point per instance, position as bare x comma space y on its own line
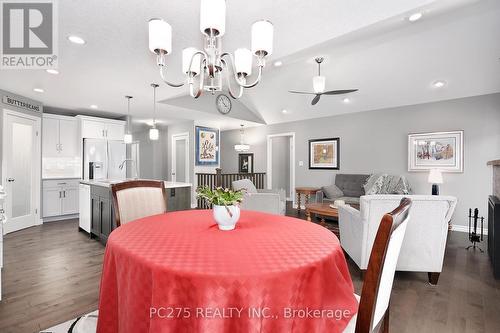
245, 163
206, 146
324, 154
436, 150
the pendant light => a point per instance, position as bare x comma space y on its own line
242, 147
154, 134
127, 138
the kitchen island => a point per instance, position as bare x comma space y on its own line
97, 216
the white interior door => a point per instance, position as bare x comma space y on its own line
21, 169
180, 158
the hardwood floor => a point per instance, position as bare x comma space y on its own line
51, 274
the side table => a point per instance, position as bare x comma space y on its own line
307, 192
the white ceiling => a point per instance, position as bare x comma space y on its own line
368, 45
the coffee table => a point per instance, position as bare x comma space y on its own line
321, 210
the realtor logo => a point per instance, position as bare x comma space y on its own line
29, 34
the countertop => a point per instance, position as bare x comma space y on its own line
109, 182
494, 163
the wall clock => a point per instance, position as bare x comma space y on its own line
223, 104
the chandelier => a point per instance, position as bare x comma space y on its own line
206, 69
242, 146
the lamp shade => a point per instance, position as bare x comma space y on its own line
435, 176
262, 37
154, 134
243, 61
319, 84
187, 54
213, 16
127, 138
160, 36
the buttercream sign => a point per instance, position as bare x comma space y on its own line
21, 104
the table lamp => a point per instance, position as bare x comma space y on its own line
435, 178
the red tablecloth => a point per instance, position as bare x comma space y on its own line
177, 272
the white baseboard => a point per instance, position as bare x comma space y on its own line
60, 218
464, 228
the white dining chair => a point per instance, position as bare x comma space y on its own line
136, 199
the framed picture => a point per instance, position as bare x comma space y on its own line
324, 154
436, 150
206, 146
245, 163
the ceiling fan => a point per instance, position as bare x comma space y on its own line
319, 86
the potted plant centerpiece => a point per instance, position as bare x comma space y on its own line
225, 203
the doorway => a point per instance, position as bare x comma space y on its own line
281, 163
180, 157
21, 168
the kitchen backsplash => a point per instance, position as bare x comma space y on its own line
54, 167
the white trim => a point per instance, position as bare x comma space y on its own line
292, 161
175, 138
60, 218
465, 228
37, 163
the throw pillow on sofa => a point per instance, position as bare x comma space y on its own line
374, 184
332, 191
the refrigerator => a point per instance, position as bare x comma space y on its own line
106, 156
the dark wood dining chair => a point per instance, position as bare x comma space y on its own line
373, 310
135, 199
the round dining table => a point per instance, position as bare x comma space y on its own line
177, 272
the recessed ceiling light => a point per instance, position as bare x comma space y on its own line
278, 63
284, 111
439, 84
76, 39
346, 100
93, 106
415, 17
52, 71
38, 90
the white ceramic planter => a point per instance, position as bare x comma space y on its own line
224, 220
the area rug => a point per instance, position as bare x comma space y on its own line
84, 324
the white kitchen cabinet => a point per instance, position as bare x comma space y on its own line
60, 198
85, 209
101, 128
115, 131
59, 136
68, 138
69, 200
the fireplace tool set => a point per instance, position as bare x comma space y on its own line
474, 237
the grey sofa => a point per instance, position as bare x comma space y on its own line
267, 201
351, 186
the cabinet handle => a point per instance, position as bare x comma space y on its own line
61, 183
103, 133
64, 194
60, 194
60, 147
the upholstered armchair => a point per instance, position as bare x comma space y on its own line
268, 201
425, 241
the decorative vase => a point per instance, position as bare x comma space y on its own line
226, 217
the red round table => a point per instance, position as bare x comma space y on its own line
177, 272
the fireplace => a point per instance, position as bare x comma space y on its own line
494, 234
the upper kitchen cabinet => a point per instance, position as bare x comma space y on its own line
101, 128
59, 136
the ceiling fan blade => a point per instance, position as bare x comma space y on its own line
339, 92
301, 92
316, 99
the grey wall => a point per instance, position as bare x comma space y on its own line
281, 163
376, 141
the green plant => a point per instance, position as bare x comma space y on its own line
220, 196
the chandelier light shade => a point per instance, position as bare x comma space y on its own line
262, 37
208, 68
319, 84
154, 134
243, 61
160, 36
213, 17
188, 54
